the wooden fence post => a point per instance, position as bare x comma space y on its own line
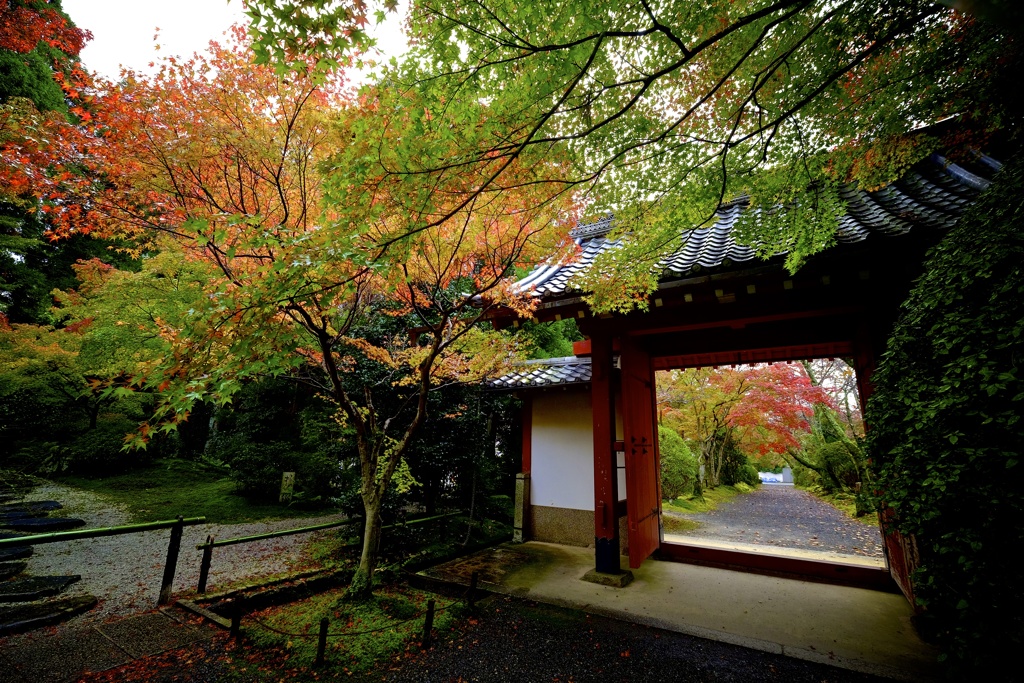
204, 566
321, 645
172, 561
428, 624
472, 589
236, 619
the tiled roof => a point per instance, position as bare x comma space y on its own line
549, 372
932, 195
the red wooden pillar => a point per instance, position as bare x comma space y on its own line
606, 523
643, 478
864, 365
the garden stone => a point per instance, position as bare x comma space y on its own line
42, 525
9, 569
34, 587
23, 618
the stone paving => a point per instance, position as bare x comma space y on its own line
65, 657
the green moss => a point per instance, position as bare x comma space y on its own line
673, 525
170, 488
710, 500
395, 615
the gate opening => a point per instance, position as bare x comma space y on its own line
766, 458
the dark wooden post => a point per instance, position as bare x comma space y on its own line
321, 644
204, 566
236, 619
173, 547
428, 624
472, 589
606, 494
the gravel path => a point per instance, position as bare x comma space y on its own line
125, 572
786, 517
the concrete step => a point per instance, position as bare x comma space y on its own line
21, 618
34, 587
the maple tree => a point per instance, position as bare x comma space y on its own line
763, 410
43, 97
281, 186
667, 109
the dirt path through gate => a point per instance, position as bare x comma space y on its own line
782, 516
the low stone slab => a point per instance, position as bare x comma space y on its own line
33, 506
23, 618
35, 587
618, 580
44, 525
19, 553
9, 569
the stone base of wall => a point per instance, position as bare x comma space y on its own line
568, 527
562, 525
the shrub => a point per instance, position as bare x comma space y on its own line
257, 468
97, 452
678, 465
736, 467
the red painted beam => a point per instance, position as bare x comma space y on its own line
757, 355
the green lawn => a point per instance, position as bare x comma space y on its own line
169, 488
712, 499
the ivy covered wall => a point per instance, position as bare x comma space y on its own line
946, 430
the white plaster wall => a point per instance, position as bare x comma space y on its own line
562, 451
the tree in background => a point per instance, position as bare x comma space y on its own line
43, 96
757, 411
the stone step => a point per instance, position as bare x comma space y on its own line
43, 525
9, 569
20, 514
32, 506
34, 587
21, 618
19, 553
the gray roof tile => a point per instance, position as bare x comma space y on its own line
932, 195
549, 372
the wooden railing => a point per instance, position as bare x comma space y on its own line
173, 547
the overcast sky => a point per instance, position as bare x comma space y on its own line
123, 30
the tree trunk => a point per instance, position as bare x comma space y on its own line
362, 583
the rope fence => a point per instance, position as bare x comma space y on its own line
469, 597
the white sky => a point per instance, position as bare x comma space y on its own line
123, 30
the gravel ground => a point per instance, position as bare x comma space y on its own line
786, 517
125, 572
511, 641
517, 640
